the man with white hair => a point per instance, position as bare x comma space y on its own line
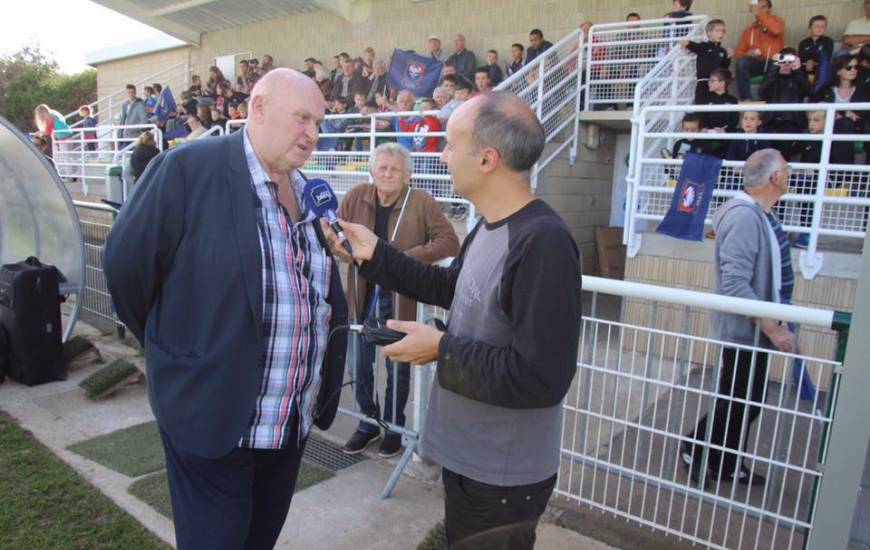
378, 80
752, 260
411, 220
234, 296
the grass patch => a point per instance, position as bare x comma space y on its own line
134, 451
153, 490
435, 539
44, 504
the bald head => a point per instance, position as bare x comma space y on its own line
507, 124
284, 114
280, 84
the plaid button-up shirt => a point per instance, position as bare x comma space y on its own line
296, 278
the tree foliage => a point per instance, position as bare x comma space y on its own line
28, 77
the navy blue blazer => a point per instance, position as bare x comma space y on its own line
183, 266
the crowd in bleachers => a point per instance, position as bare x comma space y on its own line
816, 71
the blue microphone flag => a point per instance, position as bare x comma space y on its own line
319, 198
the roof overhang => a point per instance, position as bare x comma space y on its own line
188, 20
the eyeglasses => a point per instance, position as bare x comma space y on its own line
851, 67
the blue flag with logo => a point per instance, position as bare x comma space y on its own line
685, 217
417, 73
165, 105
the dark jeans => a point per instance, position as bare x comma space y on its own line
747, 67
398, 375
741, 379
398, 382
479, 516
236, 501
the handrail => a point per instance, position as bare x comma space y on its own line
726, 304
504, 86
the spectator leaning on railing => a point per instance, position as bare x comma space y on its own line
710, 55
411, 221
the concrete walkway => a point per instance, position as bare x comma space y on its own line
350, 515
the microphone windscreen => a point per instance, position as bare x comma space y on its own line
319, 197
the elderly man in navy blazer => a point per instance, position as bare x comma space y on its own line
224, 276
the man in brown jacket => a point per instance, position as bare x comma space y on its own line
411, 220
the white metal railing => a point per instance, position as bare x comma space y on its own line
648, 374
619, 56
108, 108
823, 199
551, 86
89, 151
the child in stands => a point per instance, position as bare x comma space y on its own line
711, 55
750, 123
516, 62
816, 47
493, 70
88, 122
842, 152
718, 94
692, 124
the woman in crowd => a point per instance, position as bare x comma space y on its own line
52, 126
145, 150
844, 89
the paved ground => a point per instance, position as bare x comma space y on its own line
350, 513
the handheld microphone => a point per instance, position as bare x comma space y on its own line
320, 199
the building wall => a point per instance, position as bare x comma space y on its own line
486, 23
581, 193
112, 76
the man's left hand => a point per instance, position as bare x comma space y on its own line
419, 347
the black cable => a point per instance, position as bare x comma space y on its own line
352, 382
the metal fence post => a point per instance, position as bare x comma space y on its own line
836, 500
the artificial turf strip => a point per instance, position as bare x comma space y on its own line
133, 451
44, 504
154, 489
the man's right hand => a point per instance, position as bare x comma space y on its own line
362, 240
779, 335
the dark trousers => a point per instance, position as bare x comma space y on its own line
238, 501
739, 379
398, 374
747, 67
398, 383
479, 516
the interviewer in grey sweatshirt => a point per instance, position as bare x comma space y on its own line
510, 349
753, 260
